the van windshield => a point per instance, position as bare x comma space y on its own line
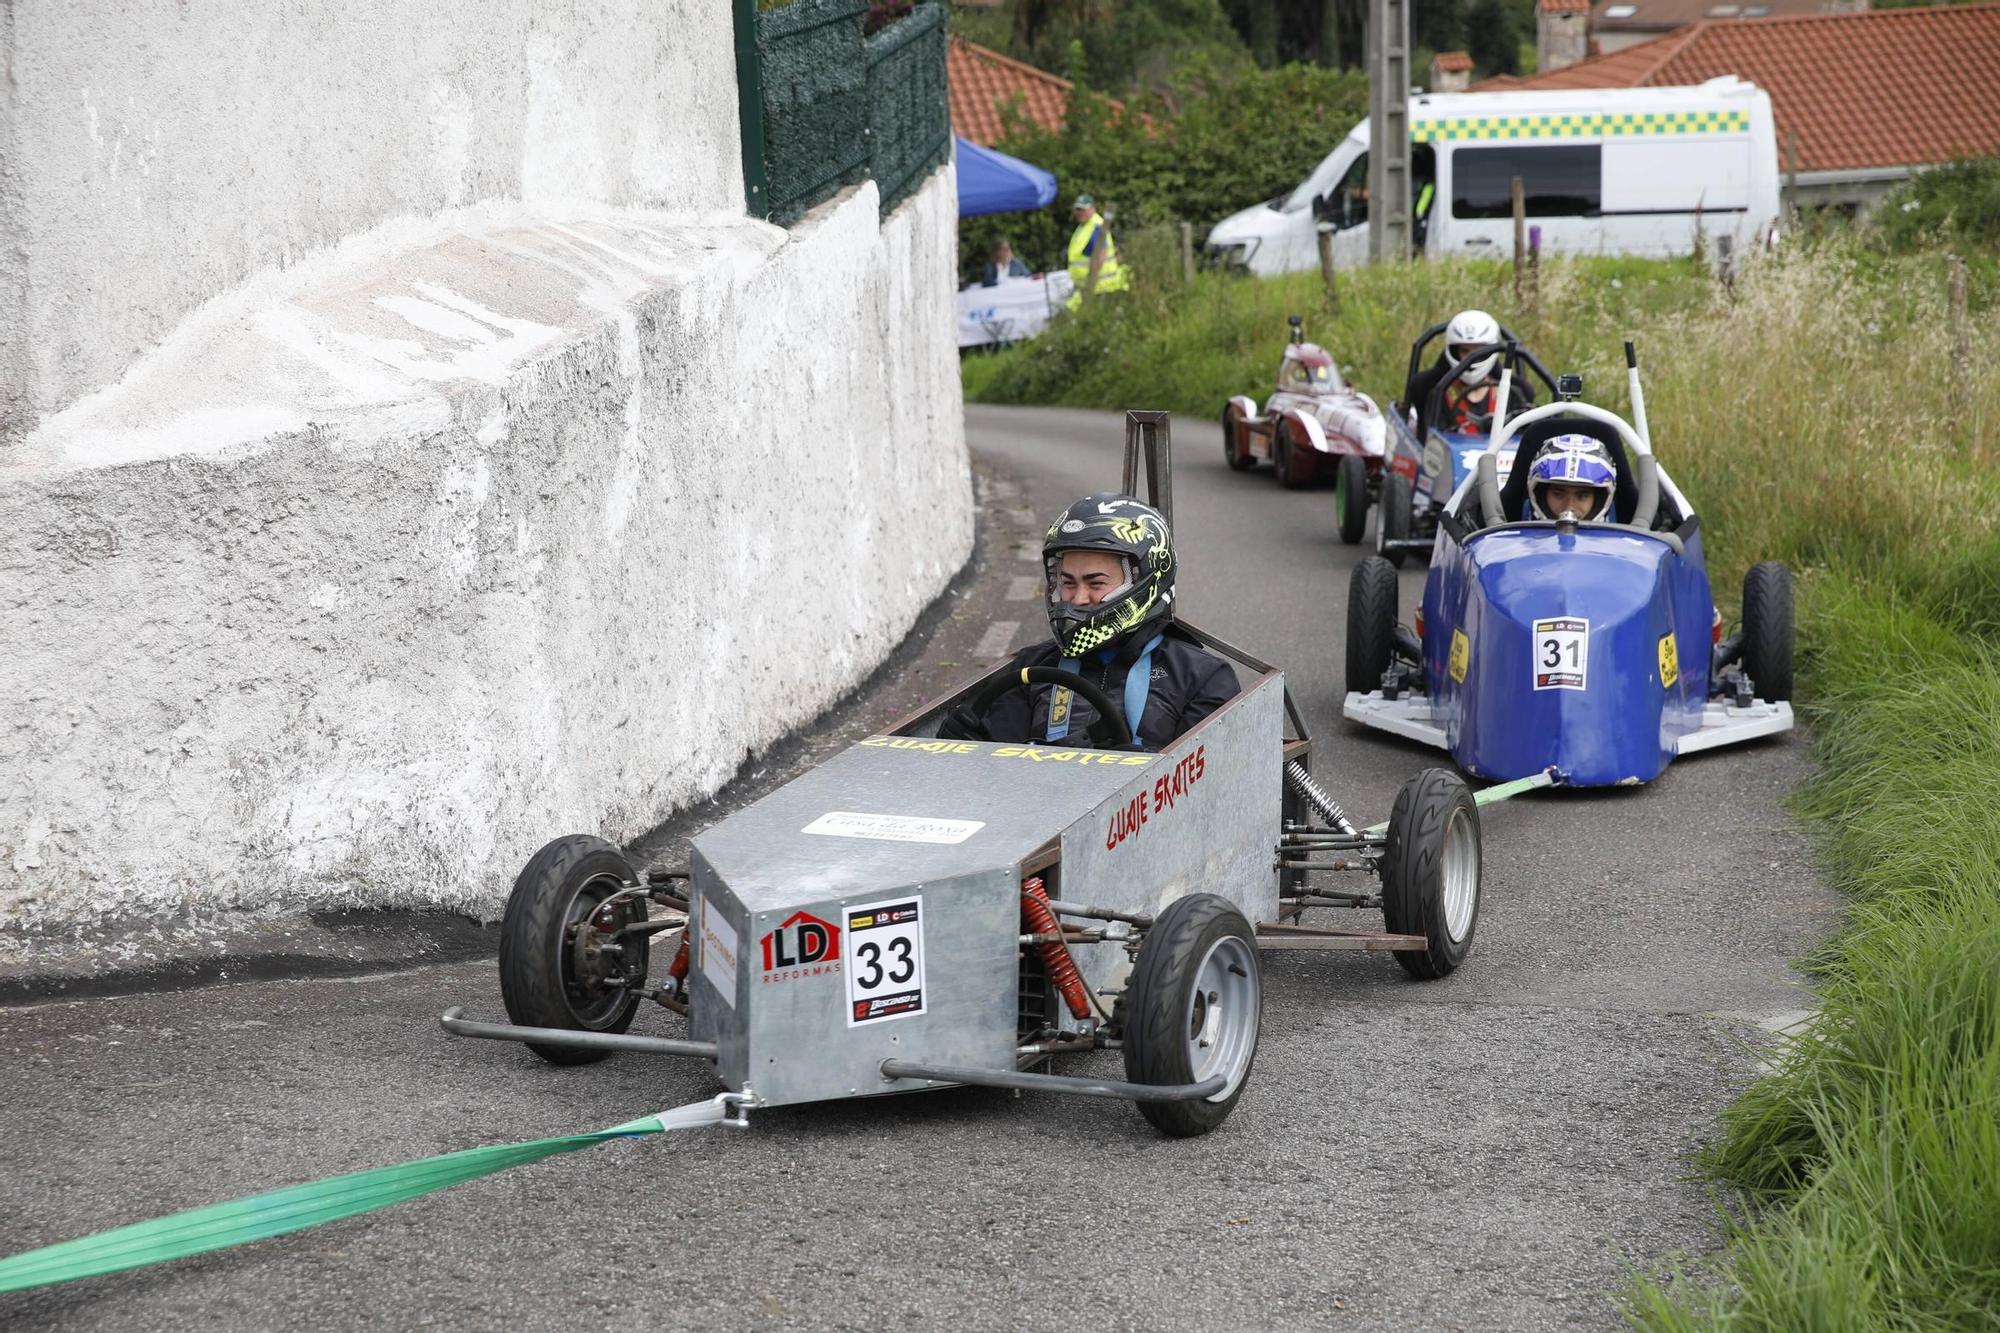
1323, 177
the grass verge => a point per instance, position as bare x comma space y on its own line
1809, 411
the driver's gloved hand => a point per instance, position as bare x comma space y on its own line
961, 721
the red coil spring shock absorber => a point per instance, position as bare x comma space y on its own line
678, 970
1040, 919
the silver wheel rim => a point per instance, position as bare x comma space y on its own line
1221, 1017
1460, 872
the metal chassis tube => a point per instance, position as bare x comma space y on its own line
1082, 1087
455, 1022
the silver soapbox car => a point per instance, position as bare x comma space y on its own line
920, 912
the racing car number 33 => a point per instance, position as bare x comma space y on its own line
885, 977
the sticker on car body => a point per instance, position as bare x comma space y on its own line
1562, 653
885, 961
718, 951
1670, 660
893, 828
1461, 655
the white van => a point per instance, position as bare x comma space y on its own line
1628, 171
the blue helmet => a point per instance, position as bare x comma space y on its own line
1575, 461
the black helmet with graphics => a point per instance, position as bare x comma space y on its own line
1135, 533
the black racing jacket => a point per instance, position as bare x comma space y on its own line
1188, 684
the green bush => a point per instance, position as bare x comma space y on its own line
1955, 204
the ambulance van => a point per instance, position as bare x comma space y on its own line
1629, 171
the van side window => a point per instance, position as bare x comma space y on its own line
1559, 180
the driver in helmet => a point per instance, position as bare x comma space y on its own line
1468, 401
1109, 561
1573, 476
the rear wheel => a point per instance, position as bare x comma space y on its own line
1392, 523
1350, 497
1289, 462
1192, 1010
1371, 623
1431, 871
1236, 439
1767, 630
555, 971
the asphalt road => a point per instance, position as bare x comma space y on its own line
1485, 1152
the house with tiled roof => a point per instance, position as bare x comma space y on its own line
1860, 100
1617, 24
982, 81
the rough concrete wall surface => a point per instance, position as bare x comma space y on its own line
352, 594
155, 155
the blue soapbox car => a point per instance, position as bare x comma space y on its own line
1424, 462
1592, 651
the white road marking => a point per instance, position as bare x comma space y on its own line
1022, 588
997, 639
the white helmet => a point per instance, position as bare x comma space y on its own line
1469, 329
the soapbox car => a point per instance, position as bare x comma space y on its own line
917, 912
1426, 462
1589, 650
1313, 425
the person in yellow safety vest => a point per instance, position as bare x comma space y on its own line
1093, 255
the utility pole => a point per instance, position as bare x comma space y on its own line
1388, 131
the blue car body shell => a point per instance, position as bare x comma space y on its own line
1623, 690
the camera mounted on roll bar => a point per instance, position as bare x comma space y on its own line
1569, 387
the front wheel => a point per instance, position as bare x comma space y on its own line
1192, 1010
1371, 624
1431, 871
556, 970
1767, 630
1350, 497
1293, 469
1392, 523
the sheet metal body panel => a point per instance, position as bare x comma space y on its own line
1636, 595
905, 805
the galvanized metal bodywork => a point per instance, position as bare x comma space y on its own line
1134, 832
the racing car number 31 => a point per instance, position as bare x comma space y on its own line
1562, 653
885, 972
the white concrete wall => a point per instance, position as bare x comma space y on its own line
388, 566
154, 155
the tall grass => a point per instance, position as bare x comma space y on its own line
1806, 410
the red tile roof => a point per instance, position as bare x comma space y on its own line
1665, 15
1452, 62
1885, 88
1565, 6
982, 80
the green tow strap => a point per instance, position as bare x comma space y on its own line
261, 1216
1488, 795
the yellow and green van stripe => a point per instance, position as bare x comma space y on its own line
1582, 125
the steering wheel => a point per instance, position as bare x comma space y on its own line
1108, 732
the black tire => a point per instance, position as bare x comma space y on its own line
1392, 521
540, 980
1371, 624
1350, 497
1239, 459
1433, 845
1767, 630
1291, 474
1172, 1000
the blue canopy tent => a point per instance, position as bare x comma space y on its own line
990, 182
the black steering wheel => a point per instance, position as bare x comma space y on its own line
1108, 732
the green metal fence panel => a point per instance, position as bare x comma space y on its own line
909, 108
815, 77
